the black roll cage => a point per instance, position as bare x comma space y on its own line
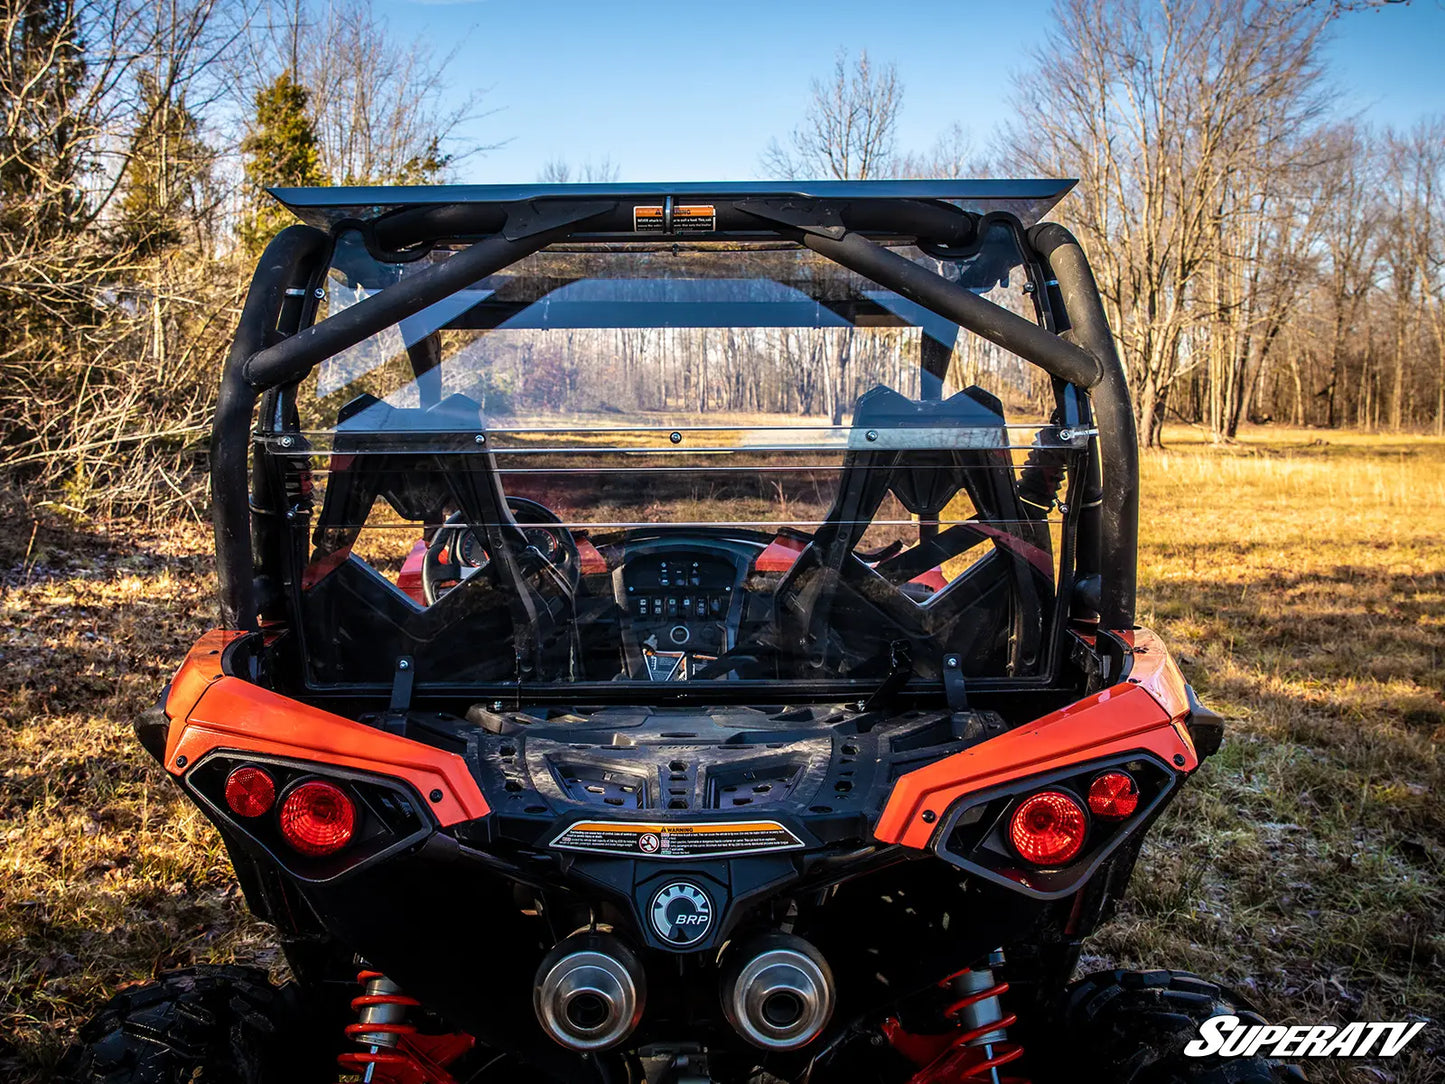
277, 343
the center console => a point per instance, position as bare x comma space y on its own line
684, 602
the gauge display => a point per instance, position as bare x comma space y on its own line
544, 542
470, 552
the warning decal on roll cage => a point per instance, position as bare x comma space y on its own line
678, 218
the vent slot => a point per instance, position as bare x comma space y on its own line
593, 785
756, 783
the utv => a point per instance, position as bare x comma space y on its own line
675, 633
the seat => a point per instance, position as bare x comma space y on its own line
841, 613
422, 462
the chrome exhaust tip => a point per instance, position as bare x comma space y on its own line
779, 993
590, 992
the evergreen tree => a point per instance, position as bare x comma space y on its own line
427, 167
281, 149
168, 164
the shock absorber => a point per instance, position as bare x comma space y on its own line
974, 1052
381, 1023
983, 1027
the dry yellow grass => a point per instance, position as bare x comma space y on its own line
1300, 576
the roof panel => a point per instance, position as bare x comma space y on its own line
1027, 198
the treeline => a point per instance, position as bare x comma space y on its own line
1260, 258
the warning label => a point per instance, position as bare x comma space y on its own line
720, 839
692, 218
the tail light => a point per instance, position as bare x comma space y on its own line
250, 791
317, 818
1045, 835
1113, 796
1048, 828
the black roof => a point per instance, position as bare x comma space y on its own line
1027, 199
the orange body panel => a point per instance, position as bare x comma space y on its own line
1144, 714
1155, 670
209, 711
201, 668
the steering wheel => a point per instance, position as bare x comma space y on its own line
466, 556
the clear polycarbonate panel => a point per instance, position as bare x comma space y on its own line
700, 336
693, 465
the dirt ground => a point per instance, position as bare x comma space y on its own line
1299, 575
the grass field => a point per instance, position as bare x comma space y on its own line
1300, 576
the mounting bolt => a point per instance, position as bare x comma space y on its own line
480, 438
181, 761
1066, 435
675, 437
318, 293
403, 664
435, 795
872, 434
286, 442
1179, 759
497, 705
1029, 287
929, 816
862, 705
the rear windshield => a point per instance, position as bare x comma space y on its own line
676, 464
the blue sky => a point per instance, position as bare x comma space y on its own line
694, 92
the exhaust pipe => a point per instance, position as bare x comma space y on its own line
778, 992
590, 992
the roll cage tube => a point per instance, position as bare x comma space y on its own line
1114, 416
267, 355
280, 293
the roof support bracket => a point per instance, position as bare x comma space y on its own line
540, 216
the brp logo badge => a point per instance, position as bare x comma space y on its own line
681, 913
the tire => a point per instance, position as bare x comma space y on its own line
1130, 1027
219, 1025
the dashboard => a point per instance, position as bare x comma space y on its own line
683, 602
653, 605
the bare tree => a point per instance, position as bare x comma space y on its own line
379, 104
1414, 255
953, 154
1352, 254
557, 170
849, 128
1162, 110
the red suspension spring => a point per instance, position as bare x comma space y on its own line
977, 1061
380, 1029
964, 1056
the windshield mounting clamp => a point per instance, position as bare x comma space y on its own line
401, 683
954, 688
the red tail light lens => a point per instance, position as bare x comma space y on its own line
317, 818
250, 791
1113, 796
1048, 829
